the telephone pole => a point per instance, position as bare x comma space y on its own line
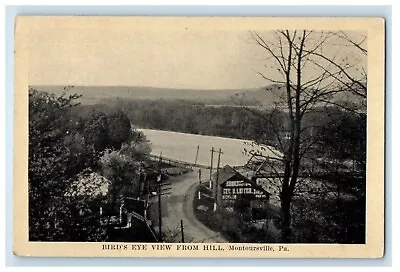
183, 236
211, 167
216, 181
197, 154
159, 199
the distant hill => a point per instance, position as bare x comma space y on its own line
93, 95
263, 96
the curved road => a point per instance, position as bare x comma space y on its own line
178, 206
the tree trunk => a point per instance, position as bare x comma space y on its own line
286, 234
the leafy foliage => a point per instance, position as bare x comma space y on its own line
48, 131
56, 155
122, 171
119, 129
103, 127
344, 137
96, 130
124, 168
64, 151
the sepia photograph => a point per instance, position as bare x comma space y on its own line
185, 136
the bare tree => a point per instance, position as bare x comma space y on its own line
313, 70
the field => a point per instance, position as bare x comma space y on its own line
183, 146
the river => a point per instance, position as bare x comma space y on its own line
183, 146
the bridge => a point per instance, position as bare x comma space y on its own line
256, 171
178, 163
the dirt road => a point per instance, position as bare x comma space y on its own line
178, 206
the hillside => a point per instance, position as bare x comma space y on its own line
93, 95
266, 96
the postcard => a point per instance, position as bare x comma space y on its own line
223, 137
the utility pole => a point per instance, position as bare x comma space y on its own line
197, 154
159, 199
183, 236
216, 181
211, 167
147, 189
199, 176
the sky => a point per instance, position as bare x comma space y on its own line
174, 59
171, 58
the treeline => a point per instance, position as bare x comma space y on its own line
187, 117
